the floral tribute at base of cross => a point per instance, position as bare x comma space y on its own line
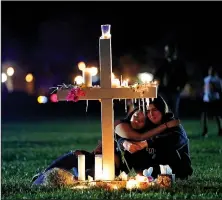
132, 181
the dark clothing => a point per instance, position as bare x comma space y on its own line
170, 147
173, 78
70, 160
211, 108
173, 101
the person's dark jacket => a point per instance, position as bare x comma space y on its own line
168, 148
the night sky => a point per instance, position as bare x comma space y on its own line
195, 26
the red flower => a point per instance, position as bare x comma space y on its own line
74, 94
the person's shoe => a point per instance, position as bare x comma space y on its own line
35, 177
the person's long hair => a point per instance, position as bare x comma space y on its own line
160, 104
163, 107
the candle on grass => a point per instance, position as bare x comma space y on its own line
98, 167
81, 167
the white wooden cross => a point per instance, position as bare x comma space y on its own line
106, 93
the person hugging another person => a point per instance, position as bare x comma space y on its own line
68, 163
171, 147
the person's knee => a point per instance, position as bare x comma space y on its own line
77, 152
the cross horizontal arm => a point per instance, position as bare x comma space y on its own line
110, 93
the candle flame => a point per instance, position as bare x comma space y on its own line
79, 80
94, 71
131, 184
81, 66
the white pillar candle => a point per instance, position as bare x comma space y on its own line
81, 167
127, 82
115, 83
98, 167
121, 80
87, 77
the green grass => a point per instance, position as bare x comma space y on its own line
28, 148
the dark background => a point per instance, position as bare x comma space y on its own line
48, 39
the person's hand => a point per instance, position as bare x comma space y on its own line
133, 147
173, 123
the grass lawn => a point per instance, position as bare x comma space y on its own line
28, 148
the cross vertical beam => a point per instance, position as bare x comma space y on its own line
105, 55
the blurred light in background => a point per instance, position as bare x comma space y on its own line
10, 71
42, 99
4, 77
94, 71
78, 80
54, 98
81, 66
29, 78
145, 77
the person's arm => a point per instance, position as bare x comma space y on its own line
124, 130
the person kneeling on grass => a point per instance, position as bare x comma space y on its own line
69, 161
171, 147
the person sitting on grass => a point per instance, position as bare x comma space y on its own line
69, 161
171, 147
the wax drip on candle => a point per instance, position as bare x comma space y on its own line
143, 106
87, 104
134, 100
125, 106
147, 102
152, 99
